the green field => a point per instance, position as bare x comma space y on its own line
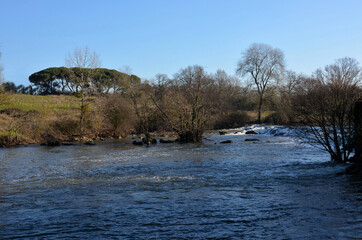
45, 105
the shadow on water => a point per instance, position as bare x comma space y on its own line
274, 188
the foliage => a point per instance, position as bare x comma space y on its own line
58, 80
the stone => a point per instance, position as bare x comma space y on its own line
90, 143
139, 143
250, 132
251, 140
166, 141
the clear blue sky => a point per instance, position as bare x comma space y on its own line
162, 36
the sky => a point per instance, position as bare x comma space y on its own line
163, 36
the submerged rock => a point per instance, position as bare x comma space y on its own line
90, 143
149, 140
251, 140
222, 132
166, 141
139, 143
53, 143
227, 141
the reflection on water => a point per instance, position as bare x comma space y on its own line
276, 188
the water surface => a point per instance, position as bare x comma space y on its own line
275, 188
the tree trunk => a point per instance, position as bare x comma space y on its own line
259, 108
81, 119
358, 132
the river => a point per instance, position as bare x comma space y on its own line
275, 188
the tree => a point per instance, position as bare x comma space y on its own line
2, 79
284, 100
117, 111
263, 64
139, 93
84, 65
57, 80
325, 103
49, 81
9, 87
187, 104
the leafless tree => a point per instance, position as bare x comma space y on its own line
83, 58
84, 63
1, 73
325, 104
126, 69
186, 104
263, 64
140, 95
284, 100
117, 111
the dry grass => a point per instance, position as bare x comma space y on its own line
254, 115
28, 117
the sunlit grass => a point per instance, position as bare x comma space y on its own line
45, 105
254, 115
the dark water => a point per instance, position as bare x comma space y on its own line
276, 188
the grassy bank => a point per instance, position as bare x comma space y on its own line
55, 119
32, 119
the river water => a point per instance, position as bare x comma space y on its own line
274, 188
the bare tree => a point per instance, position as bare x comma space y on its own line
284, 105
263, 64
83, 58
126, 69
186, 104
84, 65
326, 103
117, 111
1, 73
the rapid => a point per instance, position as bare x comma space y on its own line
272, 187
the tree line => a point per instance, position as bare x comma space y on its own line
192, 100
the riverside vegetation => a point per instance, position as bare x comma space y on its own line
82, 102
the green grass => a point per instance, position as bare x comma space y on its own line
45, 105
12, 133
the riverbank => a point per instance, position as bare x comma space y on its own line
53, 120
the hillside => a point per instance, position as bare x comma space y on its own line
33, 119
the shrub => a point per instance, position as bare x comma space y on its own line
233, 120
117, 112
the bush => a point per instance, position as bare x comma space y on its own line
276, 118
67, 127
233, 120
117, 112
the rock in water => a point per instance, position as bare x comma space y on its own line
250, 132
251, 140
139, 143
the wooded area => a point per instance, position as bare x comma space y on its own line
194, 100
